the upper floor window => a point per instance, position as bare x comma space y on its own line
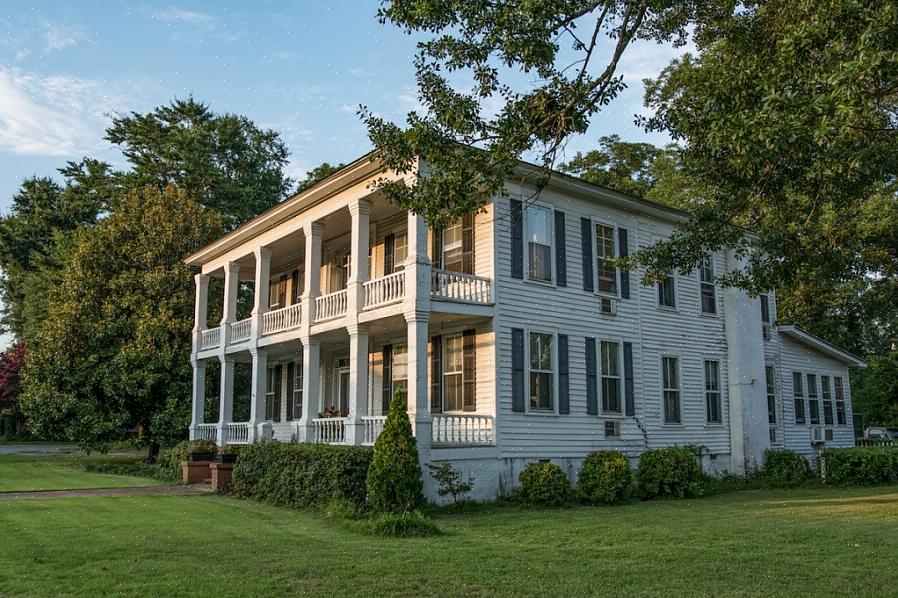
606, 274
798, 397
452, 247
611, 386
765, 308
708, 291
813, 403
541, 372
667, 296
670, 379
840, 401
712, 391
539, 243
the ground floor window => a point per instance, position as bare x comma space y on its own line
273, 394
798, 397
670, 374
541, 371
813, 403
827, 395
296, 391
712, 391
840, 401
611, 386
453, 373
400, 371
771, 394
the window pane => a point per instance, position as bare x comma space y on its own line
453, 388
540, 390
814, 407
540, 257
607, 275
611, 395
452, 247
454, 353
610, 366
796, 385
771, 394
765, 309
539, 225
666, 293
812, 386
400, 250
400, 363
706, 270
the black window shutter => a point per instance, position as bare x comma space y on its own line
282, 291
467, 244
517, 239
592, 397
436, 247
387, 383
389, 247
290, 378
586, 245
278, 377
469, 369
564, 400
560, 250
294, 287
436, 374
517, 369
623, 251
629, 391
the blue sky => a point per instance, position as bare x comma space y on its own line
301, 67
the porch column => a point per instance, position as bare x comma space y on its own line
229, 313
260, 294
226, 402
199, 397
418, 371
311, 389
360, 211
417, 268
200, 307
258, 427
312, 288
358, 383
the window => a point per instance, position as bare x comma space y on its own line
771, 394
827, 400
666, 292
453, 366
712, 391
670, 375
840, 401
541, 372
765, 309
798, 397
606, 274
400, 371
539, 243
341, 390
452, 247
296, 391
813, 403
610, 377
273, 394
708, 291
400, 251
612, 429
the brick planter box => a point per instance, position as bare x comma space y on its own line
195, 472
221, 475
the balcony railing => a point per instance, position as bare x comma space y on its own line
282, 319
207, 432
210, 339
329, 430
332, 305
385, 290
237, 433
463, 430
240, 331
456, 286
373, 426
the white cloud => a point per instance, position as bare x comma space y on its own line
24, 36
58, 37
188, 17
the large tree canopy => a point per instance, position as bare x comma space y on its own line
500, 80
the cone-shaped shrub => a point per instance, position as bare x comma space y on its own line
394, 477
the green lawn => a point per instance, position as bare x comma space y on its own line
786, 543
22, 473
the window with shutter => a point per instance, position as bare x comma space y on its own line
611, 377
469, 369
517, 369
563, 378
592, 401
606, 274
670, 379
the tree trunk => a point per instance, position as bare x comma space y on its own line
152, 451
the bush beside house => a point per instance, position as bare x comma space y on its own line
785, 468
394, 479
669, 472
605, 478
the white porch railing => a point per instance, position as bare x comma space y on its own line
384, 290
332, 305
457, 286
207, 432
282, 319
463, 430
240, 331
237, 433
329, 430
373, 426
210, 338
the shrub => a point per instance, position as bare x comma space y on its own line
860, 466
450, 481
672, 471
412, 524
170, 459
394, 478
301, 475
543, 484
605, 478
200, 447
785, 468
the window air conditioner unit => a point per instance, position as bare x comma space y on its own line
817, 436
608, 306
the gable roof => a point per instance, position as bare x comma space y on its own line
806, 338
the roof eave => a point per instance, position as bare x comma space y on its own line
822, 345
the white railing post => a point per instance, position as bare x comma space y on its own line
226, 402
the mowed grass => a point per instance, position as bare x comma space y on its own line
25, 473
775, 543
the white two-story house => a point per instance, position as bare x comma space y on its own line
509, 334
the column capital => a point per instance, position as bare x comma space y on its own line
356, 328
360, 206
232, 268
254, 351
262, 252
309, 341
313, 228
226, 359
201, 280
417, 316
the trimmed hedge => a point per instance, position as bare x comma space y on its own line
543, 484
673, 471
302, 475
860, 466
785, 468
605, 478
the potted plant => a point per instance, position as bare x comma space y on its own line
228, 453
201, 450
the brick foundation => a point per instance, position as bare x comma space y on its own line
221, 475
195, 472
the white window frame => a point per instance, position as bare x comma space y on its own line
615, 236
672, 275
815, 397
702, 284
396, 351
619, 377
678, 389
554, 378
718, 391
460, 372
799, 396
297, 377
552, 241
839, 391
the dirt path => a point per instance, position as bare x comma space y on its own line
146, 490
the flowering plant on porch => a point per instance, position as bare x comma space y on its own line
330, 411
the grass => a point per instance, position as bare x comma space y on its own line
771, 542
64, 471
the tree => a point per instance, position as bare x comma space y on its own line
472, 138
112, 357
11, 362
394, 476
875, 391
319, 173
222, 161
